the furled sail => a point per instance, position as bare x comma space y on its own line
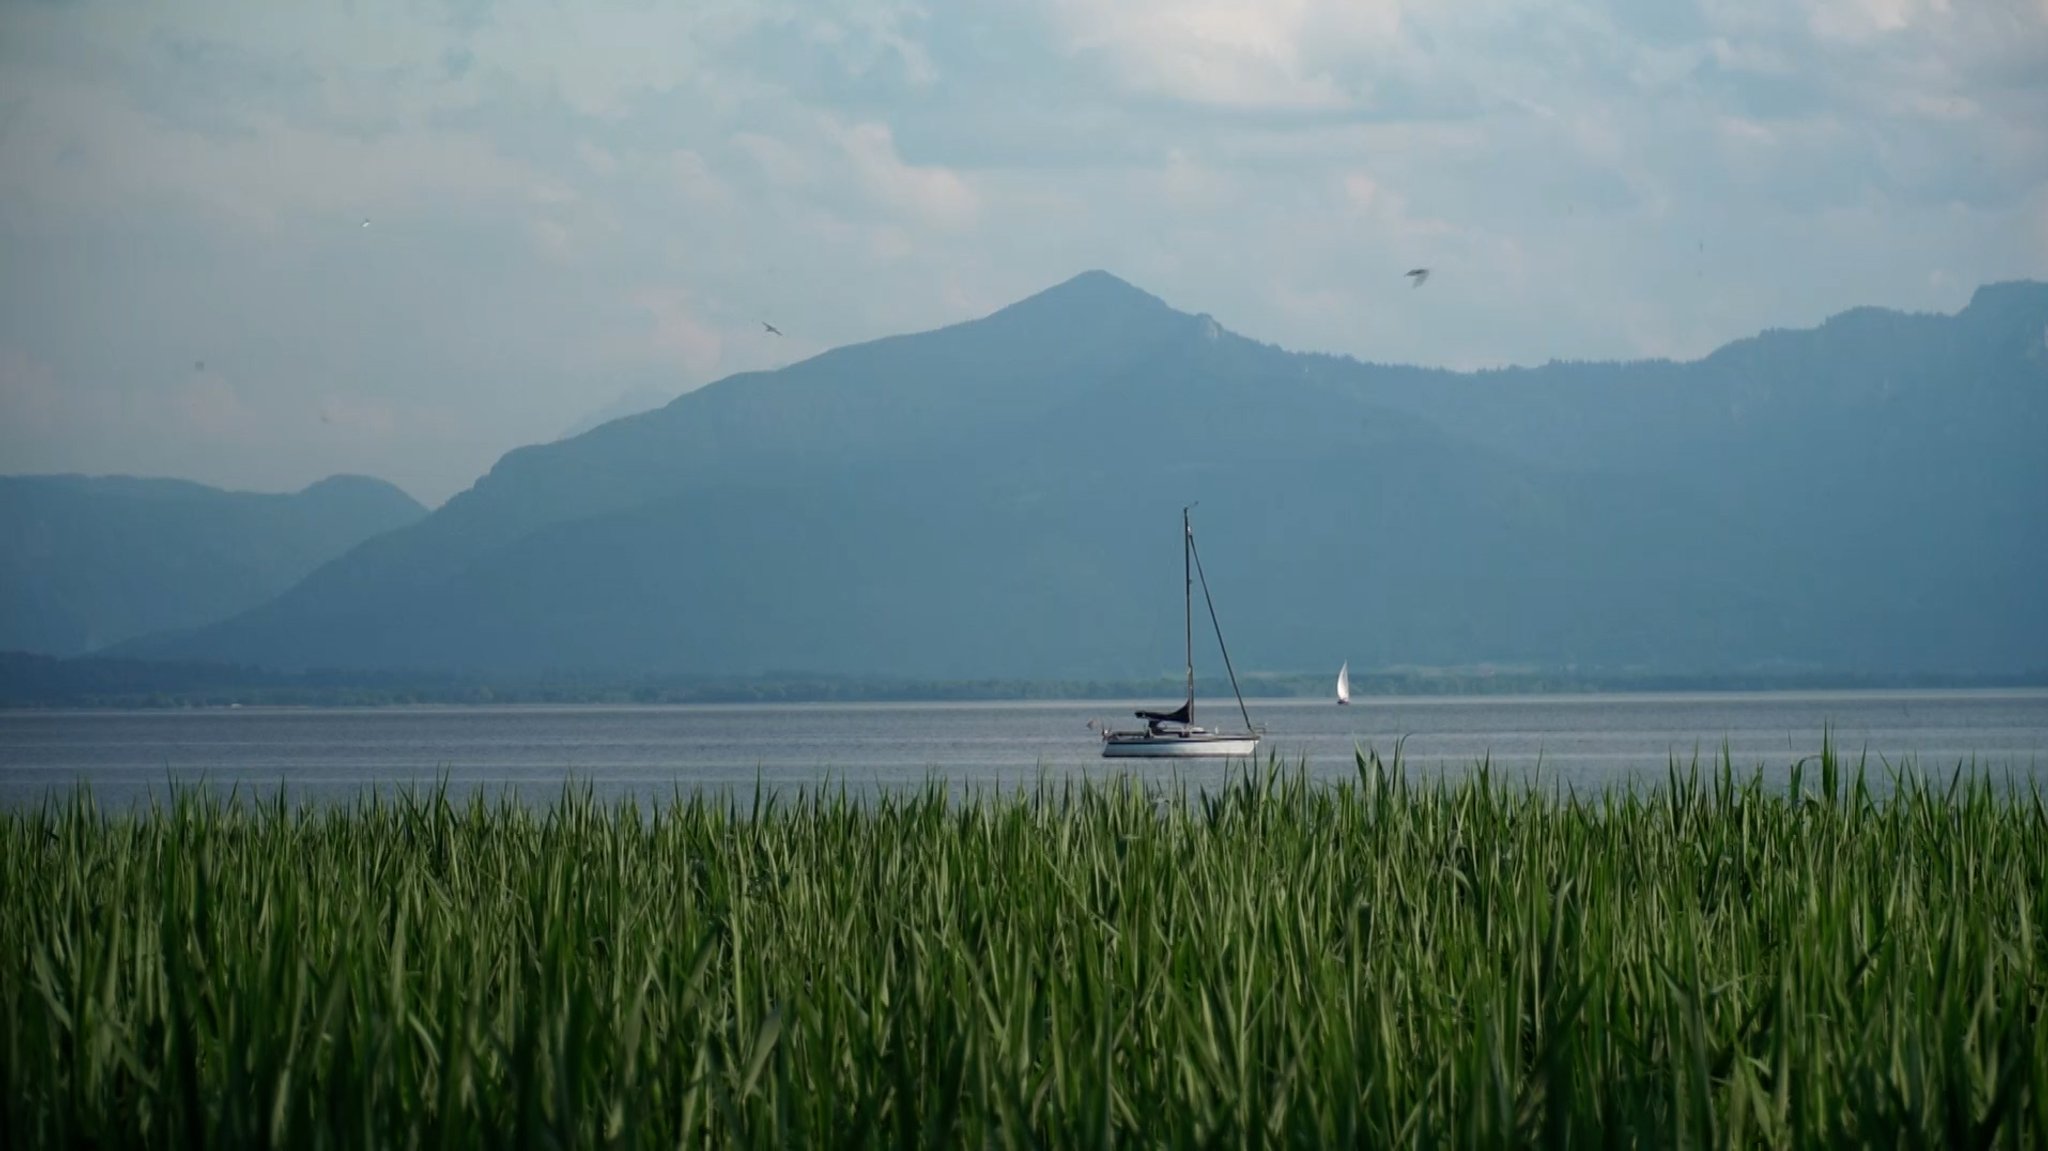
1180, 716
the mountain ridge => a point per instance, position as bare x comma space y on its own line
97, 559
982, 496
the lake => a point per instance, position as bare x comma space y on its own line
1588, 741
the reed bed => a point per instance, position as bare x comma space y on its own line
1388, 961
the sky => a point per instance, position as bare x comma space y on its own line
255, 244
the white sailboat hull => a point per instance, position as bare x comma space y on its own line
1171, 745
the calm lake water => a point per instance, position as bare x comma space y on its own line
653, 752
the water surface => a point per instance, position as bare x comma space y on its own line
1588, 741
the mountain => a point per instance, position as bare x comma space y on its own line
92, 561
639, 398
1000, 498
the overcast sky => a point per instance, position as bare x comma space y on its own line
568, 202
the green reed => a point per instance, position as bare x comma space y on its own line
1387, 961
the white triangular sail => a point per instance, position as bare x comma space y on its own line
1344, 683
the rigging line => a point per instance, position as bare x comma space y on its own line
1187, 532
1219, 629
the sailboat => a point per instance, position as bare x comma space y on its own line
1344, 683
1174, 733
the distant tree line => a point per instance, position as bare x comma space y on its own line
38, 681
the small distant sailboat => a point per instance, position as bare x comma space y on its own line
1173, 733
1344, 683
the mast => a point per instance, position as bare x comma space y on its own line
1220, 645
1187, 542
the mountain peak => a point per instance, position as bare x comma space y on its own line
2005, 288
348, 486
1094, 292
2022, 296
348, 481
1098, 279
2013, 314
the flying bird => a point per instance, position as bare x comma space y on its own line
1418, 275
772, 329
199, 365
366, 221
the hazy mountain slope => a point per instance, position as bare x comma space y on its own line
1891, 466
91, 561
1865, 383
644, 397
1002, 498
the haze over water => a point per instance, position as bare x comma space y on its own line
652, 753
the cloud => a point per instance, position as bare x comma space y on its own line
570, 202
29, 397
697, 182
1387, 212
1859, 20
360, 418
783, 165
599, 160
867, 37
601, 61
1258, 54
930, 192
83, 152
203, 407
210, 408
1187, 184
678, 331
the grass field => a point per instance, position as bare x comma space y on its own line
1386, 962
